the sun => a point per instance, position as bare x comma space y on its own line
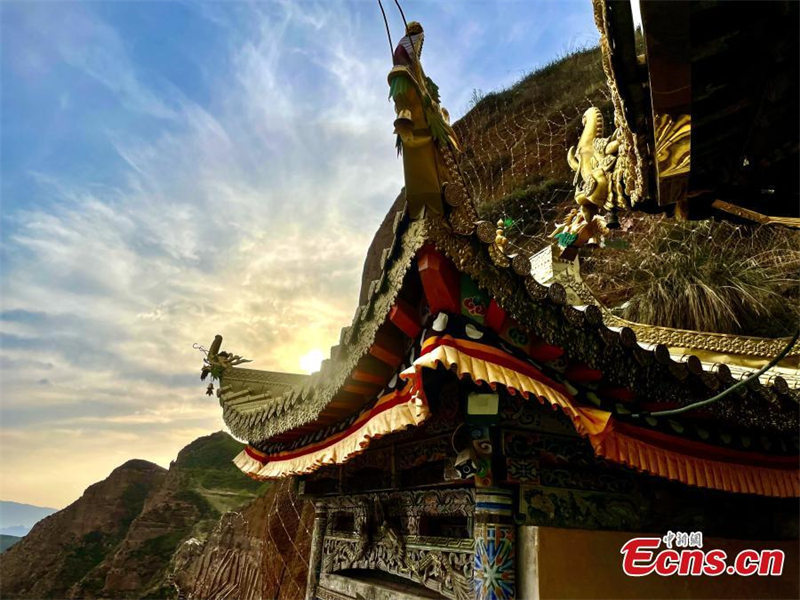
311, 361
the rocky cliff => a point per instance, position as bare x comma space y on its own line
63, 547
118, 539
258, 553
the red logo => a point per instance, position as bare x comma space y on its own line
641, 556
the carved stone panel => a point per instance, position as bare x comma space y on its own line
386, 537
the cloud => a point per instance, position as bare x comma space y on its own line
243, 205
250, 220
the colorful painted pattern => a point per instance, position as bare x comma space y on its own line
474, 301
494, 564
694, 463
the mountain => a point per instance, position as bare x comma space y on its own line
16, 519
6, 541
118, 538
256, 553
63, 547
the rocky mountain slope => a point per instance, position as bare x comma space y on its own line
65, 546
258, 553
117, 540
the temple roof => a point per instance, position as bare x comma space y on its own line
259, 389
674, 358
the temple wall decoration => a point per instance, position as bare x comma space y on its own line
413, 535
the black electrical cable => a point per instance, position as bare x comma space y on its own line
386, 23
402, 14
721, 395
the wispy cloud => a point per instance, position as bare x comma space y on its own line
243, 207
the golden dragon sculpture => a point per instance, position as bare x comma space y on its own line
599, 182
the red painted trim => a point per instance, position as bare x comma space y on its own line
405, 318
496, 317
400, 398
440, 281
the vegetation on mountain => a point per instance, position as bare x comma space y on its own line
118, 539
708, 276
515, 140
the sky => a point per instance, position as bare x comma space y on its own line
174, 170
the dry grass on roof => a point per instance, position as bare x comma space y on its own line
707, 276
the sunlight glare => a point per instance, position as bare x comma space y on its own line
311, 361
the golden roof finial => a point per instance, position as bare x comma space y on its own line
500, 240
413, 28
497, 250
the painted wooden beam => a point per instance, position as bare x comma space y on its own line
365, 377
440, 281
406, 318
370, 370
496, 317
361, 389
387, 349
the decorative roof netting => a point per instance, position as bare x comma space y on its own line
515, 144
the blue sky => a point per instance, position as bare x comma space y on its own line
173, 170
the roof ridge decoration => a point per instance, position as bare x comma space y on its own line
465, 348
425, 138
261, 421
609, 171
687, 339
215, 362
